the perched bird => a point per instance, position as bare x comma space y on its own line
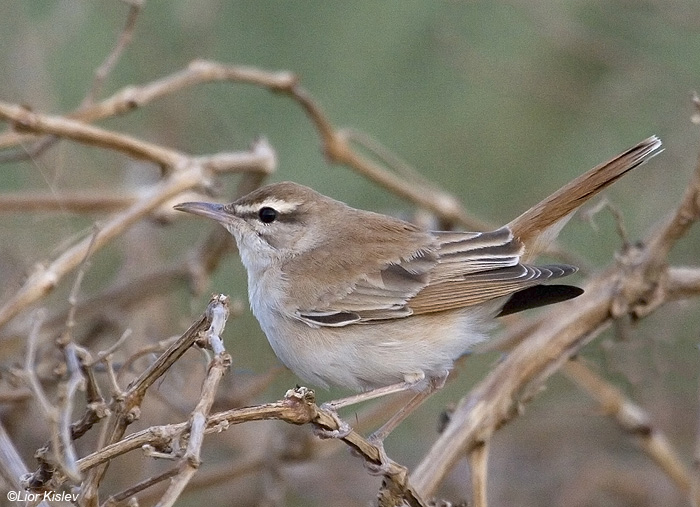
375, 304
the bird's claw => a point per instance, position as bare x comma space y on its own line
386, 465
343, 430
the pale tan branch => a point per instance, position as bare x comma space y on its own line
131, 97
478, 467
635, 285
25, 120
632, 419
75, 201
497, 398
682, 282
216, 315
123, 41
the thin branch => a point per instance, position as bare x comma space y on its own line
110, 62
188, 176
632, 419
132, 97
217, 314
51, 414
478, 461
80, 201
102, 355
589, 216
636, 285
25, 120
75, 382
140, 486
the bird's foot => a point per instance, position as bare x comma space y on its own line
343, 428
386, 465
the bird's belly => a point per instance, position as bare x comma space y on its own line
366, 356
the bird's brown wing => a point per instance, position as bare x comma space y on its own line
481, 287
464, 269
381, 294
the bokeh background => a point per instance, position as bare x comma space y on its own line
498, 102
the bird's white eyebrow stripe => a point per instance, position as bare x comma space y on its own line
271, 202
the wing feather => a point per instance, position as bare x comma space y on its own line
463, 269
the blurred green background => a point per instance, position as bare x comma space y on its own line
498, 102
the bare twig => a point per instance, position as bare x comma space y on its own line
101, 355
216, 315
590, 213
24, 120
110, 62
131, 97
127, 409
478, 460
190, 173
637, 285
75, 382
81, 201
632, 419
140, 486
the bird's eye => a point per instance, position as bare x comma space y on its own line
267, 215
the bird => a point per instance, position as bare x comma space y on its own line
378, 305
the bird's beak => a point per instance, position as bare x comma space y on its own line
207, 209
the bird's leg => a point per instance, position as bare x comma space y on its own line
370, 395
433, 385
333, 406
377, 438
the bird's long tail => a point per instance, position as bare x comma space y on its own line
539, 225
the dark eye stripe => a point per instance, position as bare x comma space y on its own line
287, 217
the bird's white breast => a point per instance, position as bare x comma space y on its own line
363, 356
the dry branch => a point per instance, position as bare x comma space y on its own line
632, 419
186, 174
636, 285
336, 142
